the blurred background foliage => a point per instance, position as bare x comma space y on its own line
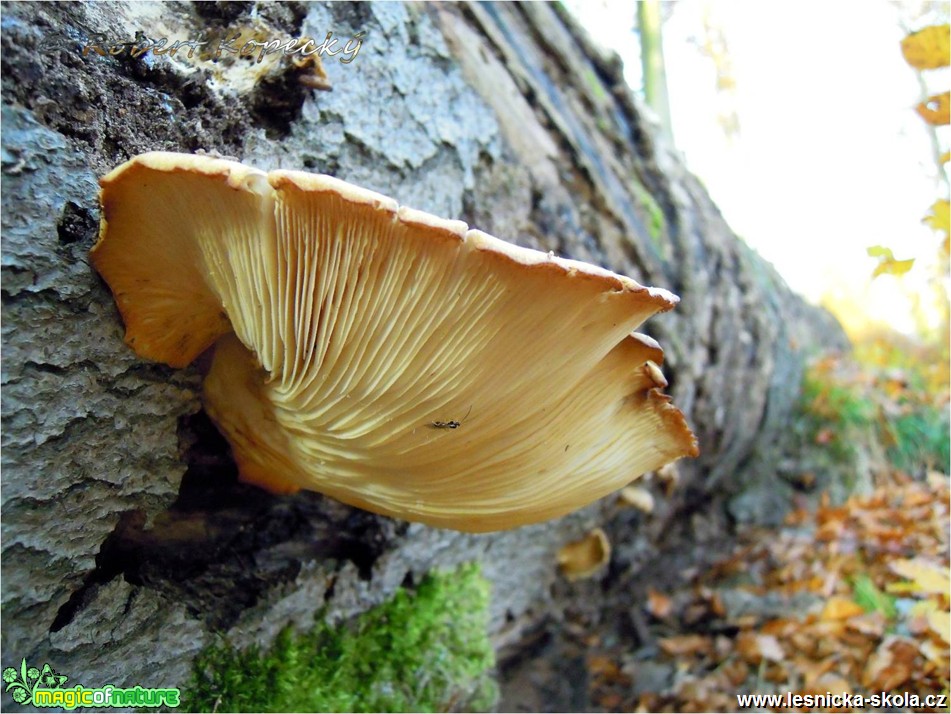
832, 163
894, 387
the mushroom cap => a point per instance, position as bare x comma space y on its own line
584, 558
383, 356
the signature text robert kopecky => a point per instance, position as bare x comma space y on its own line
226, 45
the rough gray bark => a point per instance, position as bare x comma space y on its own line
127, 543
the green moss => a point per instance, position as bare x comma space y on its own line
424, 651
920, 436
901, 416
839, 407
656, 224
594, 84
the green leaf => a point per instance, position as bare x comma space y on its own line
871, 599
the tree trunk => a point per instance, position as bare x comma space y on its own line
128, 544
653, 69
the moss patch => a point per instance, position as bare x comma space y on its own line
656, 225
859, 420
594, 84
424, 651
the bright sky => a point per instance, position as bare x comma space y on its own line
830, 157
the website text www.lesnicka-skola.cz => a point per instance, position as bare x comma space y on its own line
924, 702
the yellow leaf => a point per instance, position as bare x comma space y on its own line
901, 588
935, 653
940, 216
945, 157
893, 267
840, 608
936, 109
924, 576
887, 264
928, 48
941, 624
923, 609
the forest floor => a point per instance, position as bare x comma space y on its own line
850, 595
847, 599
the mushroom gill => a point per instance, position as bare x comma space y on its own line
388, 358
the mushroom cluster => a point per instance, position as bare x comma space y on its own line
388, 358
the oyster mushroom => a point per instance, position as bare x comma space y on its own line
383, 356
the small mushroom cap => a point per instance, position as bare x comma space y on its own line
584, 558
386, 357
640, 498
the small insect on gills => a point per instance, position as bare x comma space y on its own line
451, 424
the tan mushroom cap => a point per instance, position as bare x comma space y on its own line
584, 558
358, 325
